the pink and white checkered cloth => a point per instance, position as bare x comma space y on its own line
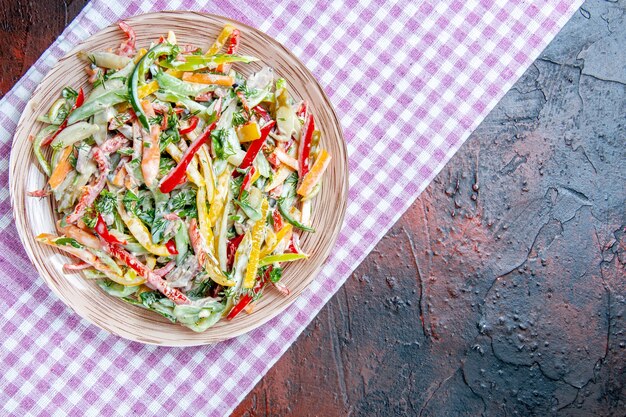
409, 79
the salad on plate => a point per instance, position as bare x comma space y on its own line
182, 186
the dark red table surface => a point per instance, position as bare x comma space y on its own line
502, 290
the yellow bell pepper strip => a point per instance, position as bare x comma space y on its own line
257, 237
283, 257
205, 78
288, 217
138, 75
203, 218
205, 257
140, 54
62, 169
221, 40
206, 167
280, 235
219, 199
312, 178
248, 132
192, 170
147, 89
139, 230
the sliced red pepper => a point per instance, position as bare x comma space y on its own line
171, 247
301, 112
261, 112
231, 248
153, 279
103, 232
254, 148
305, 145
247, 299
177, 174
193, 122
292, 247
80, 99
278, 221
234, 42
246, 180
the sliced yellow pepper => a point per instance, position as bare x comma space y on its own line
221, 40
255, 252
206, 168
147, 89
174, 73
139, 230
219, 199
278, 237
248, 132
192, 170
281, 175
140, 54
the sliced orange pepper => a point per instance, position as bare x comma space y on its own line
255, 252
204, 78
315, 174
62, 169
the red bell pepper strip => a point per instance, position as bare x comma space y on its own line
247, 299
170, 245
103, 232
278, 221
301, 112
231, 249
246, 180
254, 148
80, 99
153, 279
261, 112
305, 145
234, 42
193, 122
177, 174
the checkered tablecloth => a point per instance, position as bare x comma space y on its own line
409, 80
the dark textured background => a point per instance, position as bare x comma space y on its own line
502, 291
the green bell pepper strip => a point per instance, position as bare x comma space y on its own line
92, 107
139, 74
285, 257
285, 213
196, 62
44, 133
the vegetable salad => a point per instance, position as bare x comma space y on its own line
182, 185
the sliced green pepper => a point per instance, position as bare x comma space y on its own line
285, 257
196, 62
292, 221
44, 133
139, 74
184, 88
92, 107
